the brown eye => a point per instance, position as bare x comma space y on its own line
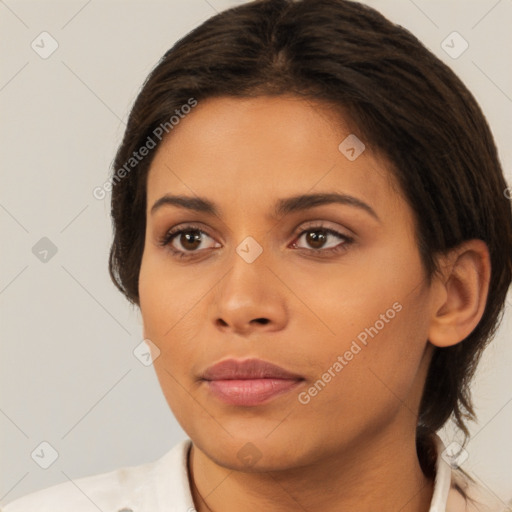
187, 241
190, 240
317, 238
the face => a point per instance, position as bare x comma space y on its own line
330, 289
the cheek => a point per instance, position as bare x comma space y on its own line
376, 294
163, 305
378, 322
171, 312
154, 305
166, 296
375, 380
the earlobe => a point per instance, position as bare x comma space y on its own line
459, 293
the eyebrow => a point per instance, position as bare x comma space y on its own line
281, 208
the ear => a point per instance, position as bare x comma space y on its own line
459, 293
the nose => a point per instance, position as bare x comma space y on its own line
249, 298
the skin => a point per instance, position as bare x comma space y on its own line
352, 447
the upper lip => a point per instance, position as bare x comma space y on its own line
230, 369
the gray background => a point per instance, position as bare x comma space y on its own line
67, 372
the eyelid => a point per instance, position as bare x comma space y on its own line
322, 224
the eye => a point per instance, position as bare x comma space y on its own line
322, 240
184, 241
187, 241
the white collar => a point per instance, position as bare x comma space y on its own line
443, 480
163, 485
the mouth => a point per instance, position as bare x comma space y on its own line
249, 382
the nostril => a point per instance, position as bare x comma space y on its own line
262, 320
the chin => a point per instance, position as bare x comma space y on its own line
252, 454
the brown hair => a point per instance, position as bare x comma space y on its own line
406, 104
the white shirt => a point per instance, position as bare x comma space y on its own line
163, 486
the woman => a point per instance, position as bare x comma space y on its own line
310, 213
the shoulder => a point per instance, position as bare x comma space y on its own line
466, 495
124, 488
457, 491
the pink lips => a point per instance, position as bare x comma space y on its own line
249, 382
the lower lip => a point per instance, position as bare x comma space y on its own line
250, 391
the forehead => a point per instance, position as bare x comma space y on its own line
247, 151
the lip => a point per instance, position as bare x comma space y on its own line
249, 382
231, 369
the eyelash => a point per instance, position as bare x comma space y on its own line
173, 233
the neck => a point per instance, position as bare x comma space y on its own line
380, 474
